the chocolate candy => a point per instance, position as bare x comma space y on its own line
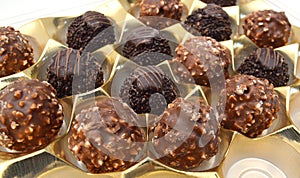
250, 105
16, 53
105, 136
145, 46
72, 72
222, 3
210, 21
266, 63
186, 134
90, 31
30, 115
206, 59
267, 28
148, 90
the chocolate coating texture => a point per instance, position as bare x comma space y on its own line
250, 105
16, 53
72, 72
266, 63
90, 31
186, 134
267, 28
105, 136
210, 21
206, 60
30, 115
148, 90
222, 3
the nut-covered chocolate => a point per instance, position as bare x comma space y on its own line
145, 46
250, 105
148, 90
222, 3
186, 134
210, 21
30, 115
74, 72
206, 59
106, 137
267, 28
90, 31
16, 52
266, 63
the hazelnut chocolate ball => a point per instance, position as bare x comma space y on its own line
267, 28
105, 136
210, 21
250, 105
30, 115
148, 90
266, 63
186, 134
222, 3
16, 52
74, 72
90, 31
206, 59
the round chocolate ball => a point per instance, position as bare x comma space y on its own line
90, 31
250, 105
148, 90
105, 136
186, 134
267, 28
16, 53
74, 72
145, 46
222, 3
266, 63
30, 115
206, 59
210, 21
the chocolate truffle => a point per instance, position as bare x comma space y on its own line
267, 28
148, 90
105, 136
210, 21
145, 46
250, 105
90, 31
30, 115
266, 63
222, 3
72, 72
16, 53
186, 134
206, 59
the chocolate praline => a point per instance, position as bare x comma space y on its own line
105, 136
266, 63
267, 28
148, 90
250, 105
73, 72
90, 31
186, 134
222, 3
16, 52
210, 21
30, 115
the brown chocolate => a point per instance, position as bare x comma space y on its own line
223, 3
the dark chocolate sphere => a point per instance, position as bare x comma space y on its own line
222, 3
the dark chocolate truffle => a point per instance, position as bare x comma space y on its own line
145, 46
105, 136
267, 28
30, 115
186, 134
148, 90
210, 21
72, 72
251, 105
222, 3
16, 53
90, 31
266, 63
206, 59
